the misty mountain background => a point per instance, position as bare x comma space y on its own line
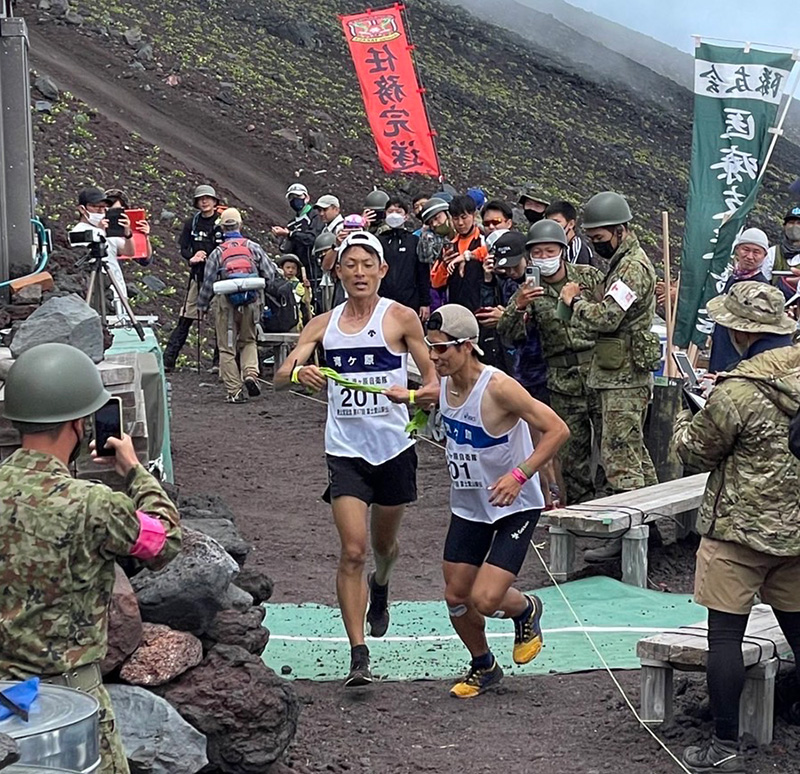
604, 51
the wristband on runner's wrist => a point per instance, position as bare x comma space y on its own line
296, 374
525, 469
411, 395
519, 476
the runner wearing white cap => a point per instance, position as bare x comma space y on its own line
371, 458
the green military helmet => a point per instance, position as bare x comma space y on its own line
546, 231
606, 209
324, 242
376, 200
53, 383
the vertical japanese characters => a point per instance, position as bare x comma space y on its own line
737, 93
391, 91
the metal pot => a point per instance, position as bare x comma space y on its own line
62, 731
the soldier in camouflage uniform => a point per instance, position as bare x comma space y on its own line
750, 515
567, 349
59, 536
620, 313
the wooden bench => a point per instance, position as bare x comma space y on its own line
623, 515
283, 343
686, 649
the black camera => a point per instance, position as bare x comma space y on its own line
91, 238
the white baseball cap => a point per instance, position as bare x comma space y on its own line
362, 239
296, 189
327, 201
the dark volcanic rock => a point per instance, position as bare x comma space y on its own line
46, 86
256, 583
204, 507
222, 530
246, 629
188, 592
124, 623
248, 713
157, 740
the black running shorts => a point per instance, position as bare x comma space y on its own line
503, 544
394, 482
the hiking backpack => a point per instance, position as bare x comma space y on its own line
236, 261
281, 312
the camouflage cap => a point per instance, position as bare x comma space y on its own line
753, 307
533, 194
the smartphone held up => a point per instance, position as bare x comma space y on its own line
533, 276
107, 424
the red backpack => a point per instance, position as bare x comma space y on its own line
236, 259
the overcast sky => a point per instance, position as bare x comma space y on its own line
675, 21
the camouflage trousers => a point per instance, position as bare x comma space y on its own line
112, 753
583, 416
624, 456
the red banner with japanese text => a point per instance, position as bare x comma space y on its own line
392, 94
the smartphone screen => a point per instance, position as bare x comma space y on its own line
114, 228
107, 424
685, 367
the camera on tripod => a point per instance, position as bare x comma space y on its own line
91, 238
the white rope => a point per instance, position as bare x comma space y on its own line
611, 674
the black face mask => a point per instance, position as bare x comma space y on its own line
533, 216
605, 249
296, 204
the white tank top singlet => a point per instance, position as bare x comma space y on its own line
364, 424
476, 458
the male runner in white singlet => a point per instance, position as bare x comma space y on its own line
371, 458
495, 498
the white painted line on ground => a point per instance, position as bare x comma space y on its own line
489, 635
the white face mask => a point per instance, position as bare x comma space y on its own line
95, 218
547, 266
395, 219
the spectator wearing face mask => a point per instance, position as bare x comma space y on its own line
533, 205
785, 256
579, 249
408, 280
297, 238
437, 231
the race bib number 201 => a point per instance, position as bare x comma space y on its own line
349, 403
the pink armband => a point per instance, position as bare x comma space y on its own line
152, 537
519, 476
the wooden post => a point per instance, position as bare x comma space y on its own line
562, 553
634, 556
656, 692
669, 366
757, 705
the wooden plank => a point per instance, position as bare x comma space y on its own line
687, 647
627, 509
277, 338
757, 704
562, 553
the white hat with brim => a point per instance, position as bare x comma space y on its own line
752, 307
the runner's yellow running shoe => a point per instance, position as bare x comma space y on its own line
528, 633
477, 681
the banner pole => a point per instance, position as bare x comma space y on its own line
777, 131
668, 365
423, 91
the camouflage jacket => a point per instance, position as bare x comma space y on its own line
741, 436
601, 314
59, 537
559, 338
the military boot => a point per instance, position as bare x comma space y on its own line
716, 755
176, 342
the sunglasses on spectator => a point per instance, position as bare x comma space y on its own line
493, 222
442, 346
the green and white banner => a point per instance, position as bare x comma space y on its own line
737, 92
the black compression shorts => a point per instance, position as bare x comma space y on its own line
503, 544
394, 482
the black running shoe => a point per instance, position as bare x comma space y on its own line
252, 386
360, 673
378, 612
715, 756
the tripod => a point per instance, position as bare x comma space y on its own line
96, 290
